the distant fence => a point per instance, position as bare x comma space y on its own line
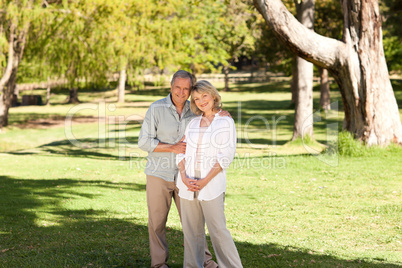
238, 77
32, 86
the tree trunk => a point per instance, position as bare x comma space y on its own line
6, 77
357, 63
371, 111
252, 70
325, 101
5, 103
293, 85
303, 124
193, 72
73, 97
266, 77
226, 69
122, 86
48, 92
8, 96
8, 81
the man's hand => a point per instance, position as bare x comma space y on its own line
179, 148
225, 113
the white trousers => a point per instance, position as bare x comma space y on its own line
195, 214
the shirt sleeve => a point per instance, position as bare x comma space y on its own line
147, 140
180, 157
227, 146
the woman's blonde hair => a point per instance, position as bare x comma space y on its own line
203, 86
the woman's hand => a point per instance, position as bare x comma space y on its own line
190, 183
199, 184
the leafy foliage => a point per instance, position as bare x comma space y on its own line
328, 19
91, 39
88, 40
392, 33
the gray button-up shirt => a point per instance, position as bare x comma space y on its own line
163, 124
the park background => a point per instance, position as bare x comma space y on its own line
72, 186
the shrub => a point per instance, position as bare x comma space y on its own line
348, 146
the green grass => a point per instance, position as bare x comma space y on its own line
69, 206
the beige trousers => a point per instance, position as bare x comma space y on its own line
159, 200
195, 214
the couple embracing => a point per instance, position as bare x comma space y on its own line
190, 145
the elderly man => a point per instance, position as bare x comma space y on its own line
162, 137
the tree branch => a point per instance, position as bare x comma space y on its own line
320, 50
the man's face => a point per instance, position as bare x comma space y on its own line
180, 90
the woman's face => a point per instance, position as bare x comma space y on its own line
204, 101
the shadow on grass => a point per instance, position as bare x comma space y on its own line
19, 119
258, 105
88, 143
255, 142
156, 91
261, 115
94, 238
72, 153
89, 148
271, 117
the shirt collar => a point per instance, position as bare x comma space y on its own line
172, 106
169, 100
217, 114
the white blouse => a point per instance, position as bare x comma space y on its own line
218, 145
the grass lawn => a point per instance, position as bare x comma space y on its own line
84, 204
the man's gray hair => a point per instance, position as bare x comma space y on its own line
182, 74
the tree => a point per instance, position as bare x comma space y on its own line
178, 34
237, 35
197, 30
357, 63
303, 124
278, 58
78, 49
15, 23
328, 22
134, 38
68, 44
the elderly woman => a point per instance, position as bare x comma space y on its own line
211, 146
